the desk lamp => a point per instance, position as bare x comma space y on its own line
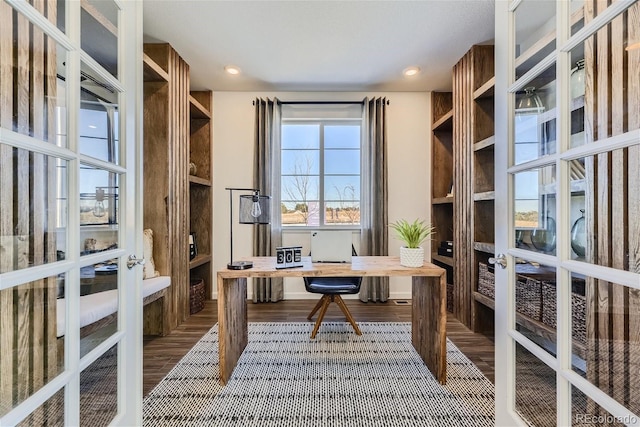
254, 209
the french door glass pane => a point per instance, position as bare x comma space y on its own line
33, 198
98, 119
607, 81
99, 390
604, 228
99, 194
535, 209
535, 118
300, 162
611, 343
535, 303
32, 352
535, 35
586, 413
535, 389
50, 413
99, 32
33, 81
98, 288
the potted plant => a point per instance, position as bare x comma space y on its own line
413, 235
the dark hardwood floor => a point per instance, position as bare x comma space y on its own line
162, 353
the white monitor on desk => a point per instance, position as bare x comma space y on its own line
331, 246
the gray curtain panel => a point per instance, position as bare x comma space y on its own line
266, 178
374, 220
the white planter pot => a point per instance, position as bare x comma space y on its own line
411, 257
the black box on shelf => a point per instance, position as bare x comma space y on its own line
445, 251
446, 244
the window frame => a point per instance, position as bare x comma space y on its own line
322, 123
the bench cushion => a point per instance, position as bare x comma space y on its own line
94, 307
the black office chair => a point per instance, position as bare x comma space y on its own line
331, 288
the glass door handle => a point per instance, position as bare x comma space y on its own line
500, 259
132, 261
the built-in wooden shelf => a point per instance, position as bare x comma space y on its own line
199, 260
199, 181
198, 111
443, 259
486, 90
442, 200
485, 143
533, 325
486, 247
484, 196
152, 71
444, 123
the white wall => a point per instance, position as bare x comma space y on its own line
408, 131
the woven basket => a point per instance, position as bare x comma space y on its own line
196, 296
450, 297
578, 311
528, 292
486, 281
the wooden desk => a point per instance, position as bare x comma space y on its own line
428, 316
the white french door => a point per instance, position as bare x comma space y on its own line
70, 212
568, 189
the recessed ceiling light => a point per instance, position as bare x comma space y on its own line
411, 71
232, 69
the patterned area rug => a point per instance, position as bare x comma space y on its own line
284, 378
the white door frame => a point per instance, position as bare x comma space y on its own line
128, 336
506, 335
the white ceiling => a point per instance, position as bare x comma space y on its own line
320, 45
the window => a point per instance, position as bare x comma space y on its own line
320, 172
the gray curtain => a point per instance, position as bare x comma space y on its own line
266, 178
374, 240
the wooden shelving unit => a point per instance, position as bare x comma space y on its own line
442, 174
473, 207
200, 188
177, 131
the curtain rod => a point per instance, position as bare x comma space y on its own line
321, 102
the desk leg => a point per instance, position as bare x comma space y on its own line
233, 334
429, 323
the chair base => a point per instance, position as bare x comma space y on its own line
323, 305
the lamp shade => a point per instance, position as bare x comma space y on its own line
254, 209
530, 102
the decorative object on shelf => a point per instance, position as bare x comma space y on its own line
530, 102
193, 249
413, 235
579, 236
577, 79
288, 256
253, 209
193, 169
446, 248
544, 239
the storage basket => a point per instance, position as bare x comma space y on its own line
196, 296
528, 292
486, 281
578, 310
450, 297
